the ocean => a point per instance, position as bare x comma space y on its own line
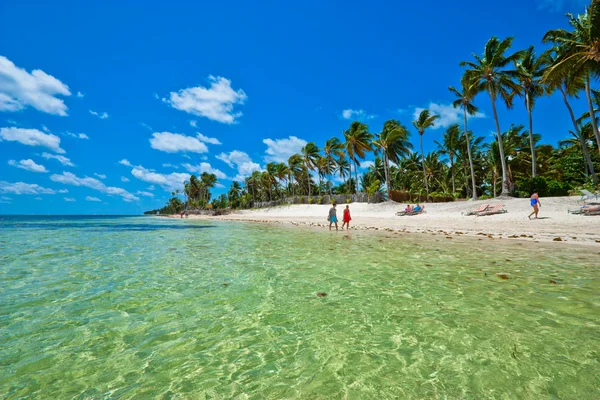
120, 307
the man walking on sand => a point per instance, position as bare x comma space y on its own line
535, 203
333, 217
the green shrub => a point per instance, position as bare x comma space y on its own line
485, 197
319, 200
545, 187
348, 200
310, 200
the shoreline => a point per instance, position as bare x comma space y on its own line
555, 224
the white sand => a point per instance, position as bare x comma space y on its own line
448, 218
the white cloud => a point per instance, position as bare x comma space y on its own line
78, 135
79, 94
28, 165
62, 159
280, 150
142, 193
448, 115
174, 142
5, 200
38, 198
70, 199
99, 115
151, 187
215, 103
24, 188
90, 198
20, 89
101, 176
31, 137
204, 167
125, 162
169, 182
167, 165
146, 126
63, 191
207, 139
193, 123
123, 179
356, 114
68, 178
366, 164
240, 160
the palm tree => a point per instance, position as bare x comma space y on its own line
424, 121
581, 137
282, 172
393, 142
450, 146
310, 153
322, 166
569, 84
465, 101
343, 168
488, 73
580, 53
530, 71
208, 182
333, 148
269, 179
358, 142
294, 167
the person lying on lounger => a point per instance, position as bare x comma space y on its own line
418, 209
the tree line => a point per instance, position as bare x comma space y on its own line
462, 165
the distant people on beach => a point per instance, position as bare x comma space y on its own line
347, 218
332, 217
418, 209
534, 200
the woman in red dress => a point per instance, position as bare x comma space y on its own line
347, 218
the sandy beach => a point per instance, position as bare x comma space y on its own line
554, 225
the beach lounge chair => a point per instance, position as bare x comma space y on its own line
587, 195
493, 209
478, 210
590, 210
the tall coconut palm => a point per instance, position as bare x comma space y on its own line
450, 146
333, 149
488, 73
282, 173
580, 53
323, 169
424, 121
465, 101
343, 168
394, 144
295, 167
569, 85
208, 182
310, 154
581, 137
358, 143
530, 70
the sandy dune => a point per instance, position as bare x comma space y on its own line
448, 218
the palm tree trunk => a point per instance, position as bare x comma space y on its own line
424, 171
586, 154
452, 172
308, 180
495, 178
387, 175
470, 157
356, 174
531, 144
592, 112
505, 183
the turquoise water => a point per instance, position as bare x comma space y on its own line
145, 308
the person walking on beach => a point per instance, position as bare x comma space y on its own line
535, 203
346, 219
333, 217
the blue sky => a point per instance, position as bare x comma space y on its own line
105, 107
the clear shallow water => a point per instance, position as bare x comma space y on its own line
136, 308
